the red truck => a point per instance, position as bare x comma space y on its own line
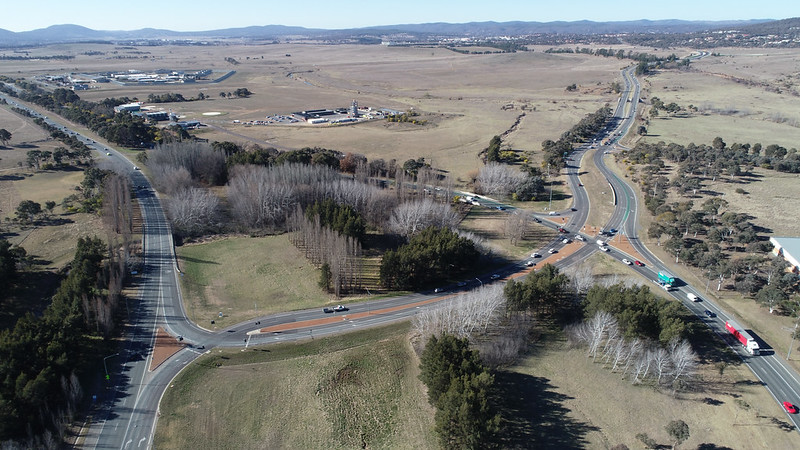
744, 337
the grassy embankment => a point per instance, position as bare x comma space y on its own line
355, 390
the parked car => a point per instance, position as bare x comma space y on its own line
639, 263
790, 408
709, 313
340, 308
625, 261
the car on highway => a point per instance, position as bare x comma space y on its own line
494, 277
580, 184
580, 238
461, 283
135, 168
566, 241
709, 313
530, 264
639, 263
340, 308
552, 213
500, 208
535, 255
603, 248
626, 261
327, 310
438, 290
789, 407
536, 220
552, 250
562, 230
108, 153
573, 209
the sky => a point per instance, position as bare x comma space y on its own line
199, 15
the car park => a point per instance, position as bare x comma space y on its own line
625, 261
709, 313
639, 263
789, 407
340, 308
552, 250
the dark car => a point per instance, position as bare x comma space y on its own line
500, 208
495, 276
340, 308
327, 310
709, 313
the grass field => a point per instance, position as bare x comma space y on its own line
358, 390
244, 277
590, 407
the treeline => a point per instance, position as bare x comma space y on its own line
10, 258
555, 151
121, 128
41, 358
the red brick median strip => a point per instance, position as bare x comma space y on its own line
339, 318
165, 347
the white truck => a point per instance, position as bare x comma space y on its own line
693, 297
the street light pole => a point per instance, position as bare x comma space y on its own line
104, 364
550, 182
479, 281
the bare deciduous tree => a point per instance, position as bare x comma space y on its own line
414, 216
463, 315
193, 210
498, 179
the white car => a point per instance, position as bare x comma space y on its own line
552, 250
579, 237
535, 255
552, 213
530, 264
603, 248
627, 262
566, 241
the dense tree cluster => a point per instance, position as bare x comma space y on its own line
542, 293
431, 255
639, 312
41, 356
201, 160
460, 388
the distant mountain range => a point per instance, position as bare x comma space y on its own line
76, 33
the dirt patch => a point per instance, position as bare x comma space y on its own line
165, 347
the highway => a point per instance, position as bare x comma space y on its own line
126, 413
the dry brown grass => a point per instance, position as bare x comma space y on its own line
302, 397
593, 396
